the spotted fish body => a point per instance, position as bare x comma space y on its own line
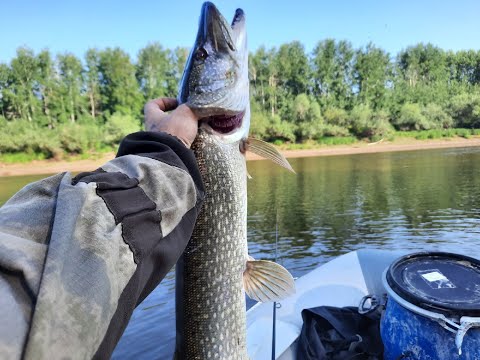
215, 268
211, 299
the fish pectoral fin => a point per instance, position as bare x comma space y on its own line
249, 177
268, 151
265, 281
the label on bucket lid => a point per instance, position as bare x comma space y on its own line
436, 279
434, 276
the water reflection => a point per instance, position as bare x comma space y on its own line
393, 200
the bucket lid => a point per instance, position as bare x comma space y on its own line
437, 281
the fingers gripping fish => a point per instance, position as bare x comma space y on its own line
215, 271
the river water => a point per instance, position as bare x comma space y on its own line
414, 200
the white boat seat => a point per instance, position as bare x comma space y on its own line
259, 337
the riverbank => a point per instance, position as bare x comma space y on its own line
40, 167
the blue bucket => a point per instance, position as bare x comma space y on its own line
433, 308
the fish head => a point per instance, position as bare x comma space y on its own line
215, 81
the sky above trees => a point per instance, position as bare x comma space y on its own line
76, 26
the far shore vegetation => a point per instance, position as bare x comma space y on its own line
65, 107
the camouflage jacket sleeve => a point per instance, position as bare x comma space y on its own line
77, 255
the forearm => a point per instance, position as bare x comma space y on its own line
114, 234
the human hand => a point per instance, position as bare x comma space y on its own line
181, 122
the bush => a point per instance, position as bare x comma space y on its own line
437, 117
465, 110
23, 136
118, 126
259, 124
411, 118
79, 139
367, 123
280, 129
301, 107
335, 116
310, 130
334, 131
307, 117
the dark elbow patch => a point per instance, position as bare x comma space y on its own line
129, 205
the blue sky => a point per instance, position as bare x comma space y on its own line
76, 25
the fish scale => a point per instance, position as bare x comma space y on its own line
212, 294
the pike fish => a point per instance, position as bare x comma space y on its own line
215, 270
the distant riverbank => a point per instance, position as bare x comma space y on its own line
402, 144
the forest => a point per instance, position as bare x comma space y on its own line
52, 106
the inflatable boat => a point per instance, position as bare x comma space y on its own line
431, 311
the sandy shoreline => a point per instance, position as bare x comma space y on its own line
51, 166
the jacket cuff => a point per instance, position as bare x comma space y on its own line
163, 147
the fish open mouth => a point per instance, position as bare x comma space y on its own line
225, 124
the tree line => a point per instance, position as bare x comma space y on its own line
51, 105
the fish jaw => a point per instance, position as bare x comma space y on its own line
215, 81
237, 131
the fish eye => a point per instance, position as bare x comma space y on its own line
201, 54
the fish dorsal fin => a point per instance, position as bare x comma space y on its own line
268, 151
265, 281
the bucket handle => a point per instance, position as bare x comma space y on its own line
364, 308
466, 322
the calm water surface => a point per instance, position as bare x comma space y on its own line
407, 200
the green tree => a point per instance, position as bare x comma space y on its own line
5, 92
332, 64
92, 81
24, 75
423, 64
118, 87
262, 75
47, 86
70, 70
177, 61
422, 74
292, 67
153, 69
372, 72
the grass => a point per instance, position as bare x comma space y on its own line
334, 140
315, 144
349, 140
91, 155
438, 133
22, 158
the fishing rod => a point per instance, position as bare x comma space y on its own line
274, 328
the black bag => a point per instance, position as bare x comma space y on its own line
340, 333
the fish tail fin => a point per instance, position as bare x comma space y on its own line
265, 281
